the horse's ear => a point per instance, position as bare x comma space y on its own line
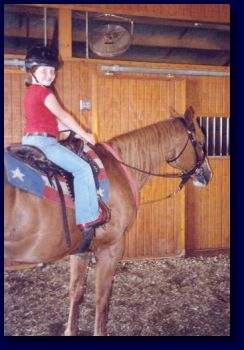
173, 113
189, 114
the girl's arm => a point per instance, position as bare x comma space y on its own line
66, 118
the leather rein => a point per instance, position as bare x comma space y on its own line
184, 175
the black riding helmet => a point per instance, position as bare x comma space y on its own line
41, 56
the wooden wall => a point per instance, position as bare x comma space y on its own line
196, 219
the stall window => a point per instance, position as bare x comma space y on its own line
27, 26
216, 131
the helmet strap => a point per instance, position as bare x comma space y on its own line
35, 78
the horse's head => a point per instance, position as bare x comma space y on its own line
191, 157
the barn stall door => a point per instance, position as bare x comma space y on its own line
123, 104
208, 209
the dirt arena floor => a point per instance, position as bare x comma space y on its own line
163, 297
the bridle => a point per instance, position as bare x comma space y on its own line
184, 175
197, 167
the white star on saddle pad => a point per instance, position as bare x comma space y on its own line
18, 174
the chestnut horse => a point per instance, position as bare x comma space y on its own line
33, 229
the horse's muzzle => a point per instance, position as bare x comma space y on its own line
202, 175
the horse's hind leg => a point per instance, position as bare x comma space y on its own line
78, 268
107, 261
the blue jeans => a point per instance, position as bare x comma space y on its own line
86, 203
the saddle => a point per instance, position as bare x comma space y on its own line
35, 158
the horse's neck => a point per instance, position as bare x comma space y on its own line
147, 148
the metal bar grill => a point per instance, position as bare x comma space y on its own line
214, 134
207, 135
227, 136
200, 122
216, 131
220, 136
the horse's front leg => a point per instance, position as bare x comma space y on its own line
78, 268
107, 260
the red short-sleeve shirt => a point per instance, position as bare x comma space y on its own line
38, 118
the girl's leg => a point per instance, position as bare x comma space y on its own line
86, 204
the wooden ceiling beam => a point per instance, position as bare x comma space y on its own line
218, 13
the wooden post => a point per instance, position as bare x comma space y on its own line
65, 33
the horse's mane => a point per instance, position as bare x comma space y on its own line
147, 147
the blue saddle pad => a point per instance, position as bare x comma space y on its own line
23, 176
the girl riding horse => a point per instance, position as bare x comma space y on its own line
43, 116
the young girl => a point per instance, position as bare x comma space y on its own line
43, 113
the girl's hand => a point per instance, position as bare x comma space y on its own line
90, 138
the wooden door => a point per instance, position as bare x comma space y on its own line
120, 104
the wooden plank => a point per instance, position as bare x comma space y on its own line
225, 200
212, 205
180, 93
180, 207
140, 103
226, 83
59, 85
162, 237
67, 81
163, 98
219, 13
141, 230
75, 91
94, 111
218, 203
7, 109
194, 84
132, 240
65, 32
212, 89
148, 234
101, 110
108, 117
146, 193
170, 184
204, 96
22, 113
16, 107
124, 106
88, 118
194, 219
219, 96
116, 110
